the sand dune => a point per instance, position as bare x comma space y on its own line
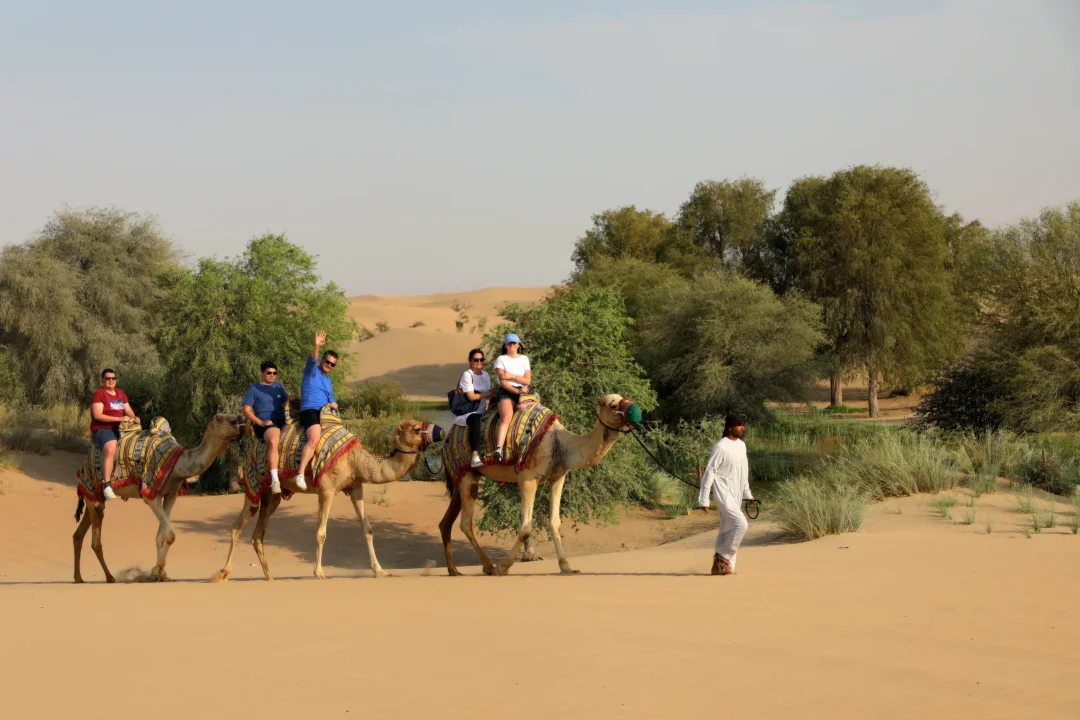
914, 616
427, 359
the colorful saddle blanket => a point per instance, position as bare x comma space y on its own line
530, 423
142, 456
334, 442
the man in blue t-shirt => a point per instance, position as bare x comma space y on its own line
264, 406
316, 390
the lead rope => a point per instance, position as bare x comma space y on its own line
746, 504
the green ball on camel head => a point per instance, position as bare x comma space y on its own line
633, 415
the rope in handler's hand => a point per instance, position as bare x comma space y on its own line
747, 504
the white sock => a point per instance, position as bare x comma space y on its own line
273, 474
300, 477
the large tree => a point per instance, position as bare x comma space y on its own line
871, 247
80, 296
724, 220
225, 317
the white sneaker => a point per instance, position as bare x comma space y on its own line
498, 455
109, 494
275, 487
300, 484
476, 461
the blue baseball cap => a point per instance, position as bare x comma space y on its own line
511, 337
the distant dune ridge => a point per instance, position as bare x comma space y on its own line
426, 360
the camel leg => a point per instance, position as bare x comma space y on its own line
556, 524
469, 491
528, 554
164, 539
326, 499
77, 539
267, 509
246, 513
528, 496
446, 525
97, 515
356, 494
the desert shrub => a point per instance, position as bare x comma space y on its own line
418, 323
364, 333
823, 503
994, 454
382, 326
374, 398
26, 439
1047, 470
965, 397
69, 418
901, 463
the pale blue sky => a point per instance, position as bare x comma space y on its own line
446, 146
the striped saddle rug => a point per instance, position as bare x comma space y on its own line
530, 423
142, 456
334, 442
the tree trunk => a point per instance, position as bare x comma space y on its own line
836, 391
871, 392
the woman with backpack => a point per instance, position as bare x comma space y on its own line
467, 402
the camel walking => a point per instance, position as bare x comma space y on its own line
222, 430
355, 468
556, 453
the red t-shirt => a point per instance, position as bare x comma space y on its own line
113, 407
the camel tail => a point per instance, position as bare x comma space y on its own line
79, 509
449, 481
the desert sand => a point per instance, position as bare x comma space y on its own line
913, 616
427, 359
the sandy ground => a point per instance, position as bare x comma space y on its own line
914, 616
427, 359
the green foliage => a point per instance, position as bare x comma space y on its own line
227, 316
965, 396
969, 517
374, 399
81, 296
722, 343
382, 326
625, 233
823, 503
576, 345
725, 220
1047, 469
944, 504
1025, 503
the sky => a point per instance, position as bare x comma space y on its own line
419, 147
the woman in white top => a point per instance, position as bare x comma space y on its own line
475, 384
515, 376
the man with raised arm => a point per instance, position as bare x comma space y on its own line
316, 390
727, 479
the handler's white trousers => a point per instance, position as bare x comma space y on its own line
733, 524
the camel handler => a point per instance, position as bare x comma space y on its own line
264, 406
108, 408
316, 390
727, 477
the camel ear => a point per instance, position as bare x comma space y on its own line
600, 401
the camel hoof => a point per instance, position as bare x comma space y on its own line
319, 575
500, 570
453, 572
269, 577
567, 570
382, 574
488, 570
78, 580
110, 579
531, 557
219, 576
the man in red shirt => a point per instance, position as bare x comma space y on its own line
108, 408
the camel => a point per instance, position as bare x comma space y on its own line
222, 430
558, 452
349, 474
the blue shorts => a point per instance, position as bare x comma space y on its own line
105, 435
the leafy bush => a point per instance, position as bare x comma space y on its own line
823, 503
576, 345
1047, 470
964, 397
374, 398
382, 326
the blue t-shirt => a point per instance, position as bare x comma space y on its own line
267, 401
315, 389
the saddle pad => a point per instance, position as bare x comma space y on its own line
142, 456
529, 424
334, 442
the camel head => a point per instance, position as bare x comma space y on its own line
226, 427
412, 436
618, 412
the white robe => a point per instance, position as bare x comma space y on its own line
727, 479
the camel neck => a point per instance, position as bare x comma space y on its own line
582, 451
195, 461
378, 470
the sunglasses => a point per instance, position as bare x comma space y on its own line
331, 364
270, 372
111, 377
476, 359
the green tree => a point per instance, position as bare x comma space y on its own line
225, 317
81, 296
622, 233
576, 345
873, 253
723, 343
725, 220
